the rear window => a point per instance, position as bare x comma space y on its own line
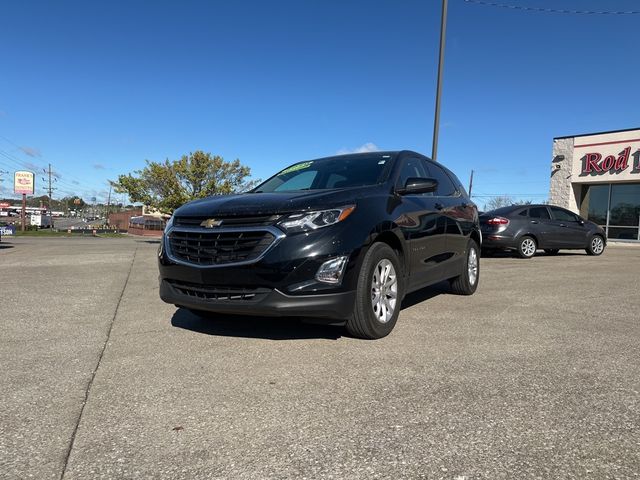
502, 211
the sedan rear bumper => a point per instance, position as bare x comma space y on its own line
497, 241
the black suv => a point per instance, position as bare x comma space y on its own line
341, 238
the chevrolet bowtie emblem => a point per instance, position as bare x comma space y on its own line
211, 222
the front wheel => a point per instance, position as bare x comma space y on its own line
378, 295
527, 247
596, 245
467, 282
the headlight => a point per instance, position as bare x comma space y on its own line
303, 222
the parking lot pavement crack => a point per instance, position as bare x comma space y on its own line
97, 367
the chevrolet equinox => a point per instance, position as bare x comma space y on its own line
343, 239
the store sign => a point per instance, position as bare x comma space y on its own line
8, 230
596, 164
613, 157
24, 183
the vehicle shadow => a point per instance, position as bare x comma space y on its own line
5, 245
269, 328
425, 294
507, 254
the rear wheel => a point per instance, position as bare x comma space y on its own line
467, 282
596, 245
527, 247
551, 251
378, 295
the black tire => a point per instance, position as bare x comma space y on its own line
596, 245
465, 283
365, 321
551, 251
527, 247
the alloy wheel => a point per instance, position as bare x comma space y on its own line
472, 266
528, 247
597, 245
384, 290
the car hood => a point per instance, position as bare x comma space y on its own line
272, 203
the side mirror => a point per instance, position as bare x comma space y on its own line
418, 185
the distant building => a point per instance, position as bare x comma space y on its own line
120, 220
598, 176
139, 221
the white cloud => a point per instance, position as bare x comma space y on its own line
367, 147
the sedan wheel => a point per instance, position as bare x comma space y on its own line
527, 247
596, 246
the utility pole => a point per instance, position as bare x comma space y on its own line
108, 203
470, 183
51, 189
1, 173
436, 121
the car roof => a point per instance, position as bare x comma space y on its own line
512, 208
382, 153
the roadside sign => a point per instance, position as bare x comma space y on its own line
4, 205
24, 182
8, 230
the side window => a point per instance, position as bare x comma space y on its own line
336, 181
563, 215
446, 188
411, 167
539, 212
524, 213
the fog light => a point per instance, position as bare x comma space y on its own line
331, 271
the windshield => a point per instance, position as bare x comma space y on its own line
335, 172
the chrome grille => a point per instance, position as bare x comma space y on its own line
211, 248
228, 221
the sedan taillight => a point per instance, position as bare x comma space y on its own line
498, 221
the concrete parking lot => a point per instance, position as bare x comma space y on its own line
535, 376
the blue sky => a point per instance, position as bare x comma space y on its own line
95, 88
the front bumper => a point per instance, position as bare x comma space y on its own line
280, 283
262, 302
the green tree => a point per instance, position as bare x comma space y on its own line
169, 184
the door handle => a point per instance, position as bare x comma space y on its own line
439, 206
563, 225
534, 222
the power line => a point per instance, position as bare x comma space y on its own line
25, 165
552, 10
30, 166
